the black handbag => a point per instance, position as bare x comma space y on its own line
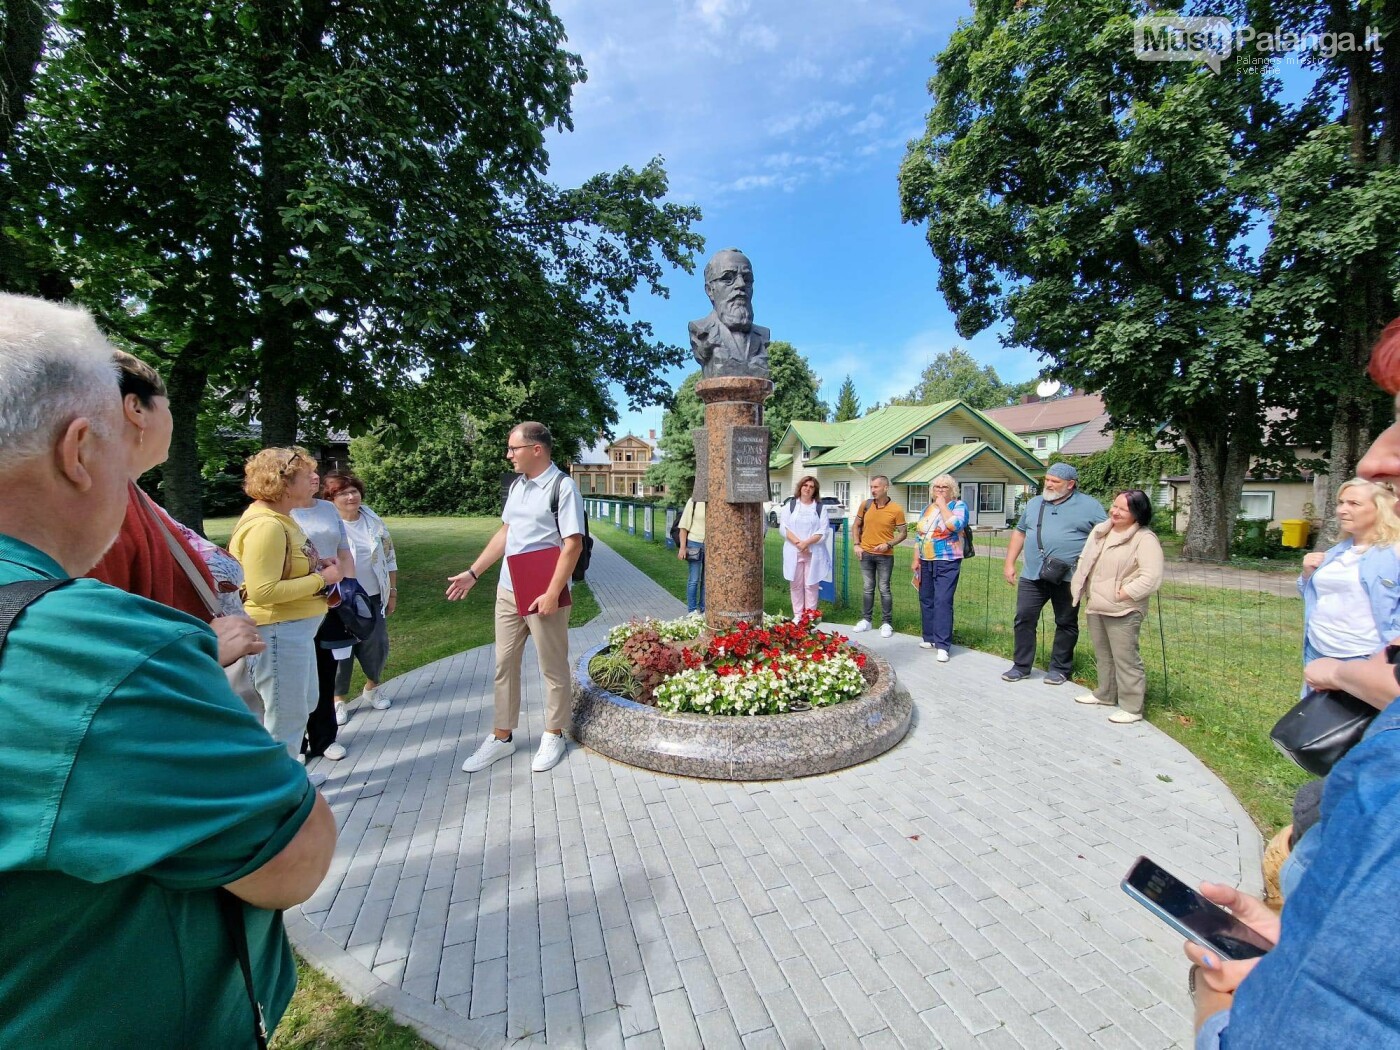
356, 611
1321, 728
1052, 570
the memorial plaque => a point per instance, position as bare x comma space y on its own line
700, 438
746, 454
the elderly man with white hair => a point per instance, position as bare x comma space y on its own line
150, 829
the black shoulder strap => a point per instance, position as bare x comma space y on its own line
860, 516
1040, 521
231, 908
15, 597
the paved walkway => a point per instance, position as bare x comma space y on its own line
959, 891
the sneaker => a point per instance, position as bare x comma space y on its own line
943, 656
925, 645
1014, 675
1090, 698
552, 748
342, 713
317, 778
1124, 717
1055, 678
491, 750
334, 752
861, 627
886, 631
376, 698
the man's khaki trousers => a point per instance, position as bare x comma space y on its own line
551, 635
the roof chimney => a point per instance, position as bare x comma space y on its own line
1029, 399
652, 434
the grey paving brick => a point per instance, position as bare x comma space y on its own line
745, 1005
489, 988
660, 966
854, 1002
595, 987
717, 1031
562, 1019
634, 1002
836, 1031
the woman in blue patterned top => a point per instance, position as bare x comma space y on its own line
938, 557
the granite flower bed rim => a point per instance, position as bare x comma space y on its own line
729, 747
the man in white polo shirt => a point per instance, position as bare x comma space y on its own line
528, 524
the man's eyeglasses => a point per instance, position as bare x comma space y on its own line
517, 448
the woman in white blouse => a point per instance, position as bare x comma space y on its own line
1351, 593
806, 559
378, 572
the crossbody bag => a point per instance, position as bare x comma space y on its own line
1052, 570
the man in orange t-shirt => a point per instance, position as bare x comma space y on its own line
879, 529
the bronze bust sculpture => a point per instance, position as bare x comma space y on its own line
726, 342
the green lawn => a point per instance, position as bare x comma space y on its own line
1233, 663
425, 627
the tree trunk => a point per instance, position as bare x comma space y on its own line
184, 486
1217, 465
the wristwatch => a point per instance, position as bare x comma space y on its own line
472, 573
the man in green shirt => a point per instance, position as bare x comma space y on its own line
137, 786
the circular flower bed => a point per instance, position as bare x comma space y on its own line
776, 667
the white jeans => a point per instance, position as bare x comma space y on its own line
285, 675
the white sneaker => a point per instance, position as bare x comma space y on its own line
943, 656
377, 699
925, 645
342, 713
861, 627
317, 778
1124, 717
334, 752
491, 750
552, 748
886, 631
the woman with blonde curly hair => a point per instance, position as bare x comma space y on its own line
1351, 593
286, 586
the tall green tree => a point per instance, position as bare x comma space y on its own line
1097, 203
955, 374
1332, 265
847, 404
313, 202
795, 388
676, 470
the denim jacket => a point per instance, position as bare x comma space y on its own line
1380, 578
1334, 978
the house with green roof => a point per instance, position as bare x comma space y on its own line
911, 445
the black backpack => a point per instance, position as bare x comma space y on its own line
676, 528
586, 555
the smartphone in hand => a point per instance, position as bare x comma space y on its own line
1190, 914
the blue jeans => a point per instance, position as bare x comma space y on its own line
695, 582
285, 674
938, 582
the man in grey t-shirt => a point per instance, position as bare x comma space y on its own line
1056, 523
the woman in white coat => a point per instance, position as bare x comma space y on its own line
806, 559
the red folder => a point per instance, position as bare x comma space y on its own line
530, 574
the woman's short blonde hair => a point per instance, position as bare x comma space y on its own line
1387, 528
265, 473
945, 479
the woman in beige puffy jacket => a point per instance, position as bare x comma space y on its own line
1120, 568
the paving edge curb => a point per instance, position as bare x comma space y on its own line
437, 1025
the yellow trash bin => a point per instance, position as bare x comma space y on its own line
1295, 532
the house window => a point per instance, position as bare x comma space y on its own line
617, 457
843, 493
915, 500
921, 445
629, 457
775, 491
989, 498
806, 453
636, 488
1041, 443
1258, 506
970, 440
902, 450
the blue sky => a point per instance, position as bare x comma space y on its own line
786, 123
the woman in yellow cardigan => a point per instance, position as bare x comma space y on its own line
1119, 569
286, 586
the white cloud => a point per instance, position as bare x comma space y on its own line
810, 117
761, 37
